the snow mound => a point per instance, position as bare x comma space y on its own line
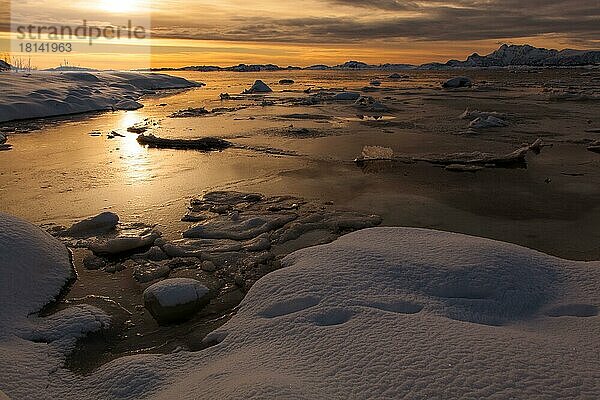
34, 267
258, 87
22, 96
379, 313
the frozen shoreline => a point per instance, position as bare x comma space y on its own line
52, 94
383, 312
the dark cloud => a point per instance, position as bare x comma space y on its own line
434, 20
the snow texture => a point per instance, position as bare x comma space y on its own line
382, 313
34, 269
48, 94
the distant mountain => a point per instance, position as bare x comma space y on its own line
71, 68
4, 65
523, 55
505, 56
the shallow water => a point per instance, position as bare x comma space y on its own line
60, 173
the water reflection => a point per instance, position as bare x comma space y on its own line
134, 157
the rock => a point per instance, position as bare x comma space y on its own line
375, 83
192, 216
154, 254
248, 226
260, 243
174, 300
123, 244
150, 271
458, 82
101, 223
594, 147
128, 105
2, 138
368, 103
258, 87
346, 96
190, 112
225, 96
196, 247
471, 115
208, 266
118, 267
286, 82
398, 76
93, 262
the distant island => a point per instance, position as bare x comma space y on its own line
505, 56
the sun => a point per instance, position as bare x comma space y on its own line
119, 6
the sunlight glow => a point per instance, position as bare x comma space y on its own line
119, 6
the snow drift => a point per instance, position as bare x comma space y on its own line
49, 94
380, 313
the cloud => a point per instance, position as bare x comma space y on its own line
421, 21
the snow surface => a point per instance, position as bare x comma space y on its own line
47, 94
34, 269
382, 313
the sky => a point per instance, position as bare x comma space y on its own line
305, 32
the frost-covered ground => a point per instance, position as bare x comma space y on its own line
380, 313
48, 94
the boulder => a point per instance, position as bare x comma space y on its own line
174, 300
346, 96
458, 82
100, 223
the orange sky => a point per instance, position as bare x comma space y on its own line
303, 32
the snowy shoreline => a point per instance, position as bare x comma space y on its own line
52, 94
382, 313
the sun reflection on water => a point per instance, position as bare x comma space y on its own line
134, 157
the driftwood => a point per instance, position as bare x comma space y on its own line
203, 144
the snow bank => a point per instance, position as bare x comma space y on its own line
34, 269
48, 94
175, 299
380, 313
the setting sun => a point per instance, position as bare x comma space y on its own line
119, 6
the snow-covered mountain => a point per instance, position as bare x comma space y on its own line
525, 55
